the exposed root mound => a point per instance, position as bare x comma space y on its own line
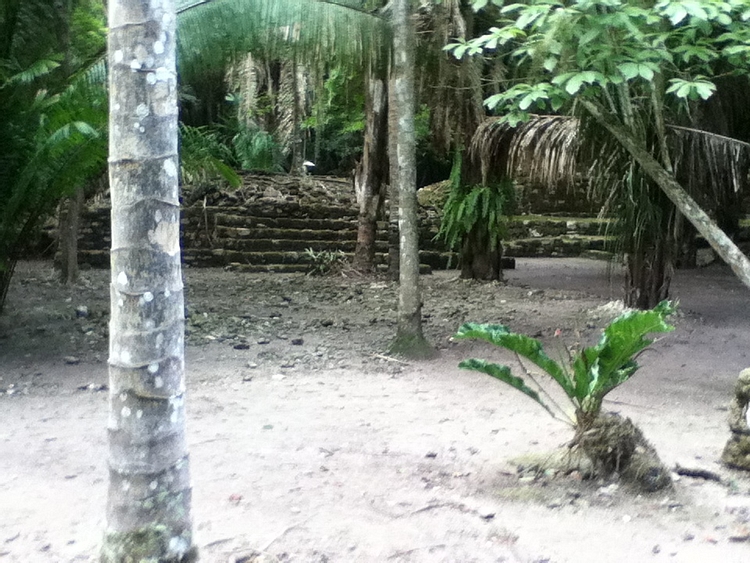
737, 451
614, 445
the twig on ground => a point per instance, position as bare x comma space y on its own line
388, 358
284, 532
410, 551
698, 473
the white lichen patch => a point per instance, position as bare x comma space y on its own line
158, 47
167, 236
139, 414
151, 78
163, 74
135, 64
153, 368
122, 279
118, 56
158, 382
125, 412
125, 485
178, 545
153, 485
170, 168
167, 293
142, 111
148, 297
158, 216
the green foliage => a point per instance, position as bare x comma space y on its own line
256, 149
585, 48
52, 127
338, 120
205, 159
479, 211
593, 372
325, 262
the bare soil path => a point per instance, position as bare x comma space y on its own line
308, 445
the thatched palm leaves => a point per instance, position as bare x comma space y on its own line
558, 150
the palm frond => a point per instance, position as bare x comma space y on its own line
213, 32
541, 151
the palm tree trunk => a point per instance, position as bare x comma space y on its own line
148, 505
409, 339
718, 240
369, 179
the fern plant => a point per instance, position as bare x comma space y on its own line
479, 212
257, 150
204, 159
325, 262
593, 372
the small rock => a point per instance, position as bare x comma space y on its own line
252, 365
326, 322
297, 341
82, 311
431, 455
72, 360
241, 346
486, 515
263, 341
741, 534
247, 378
278, 377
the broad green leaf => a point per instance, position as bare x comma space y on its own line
574, 84
705, 89
503, 374
523, 345
478, 4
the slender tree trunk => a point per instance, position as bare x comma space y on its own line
371, 172
409, 339
393, 207
718, 240
148, 505
66, 261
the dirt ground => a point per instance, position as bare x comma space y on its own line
308, 444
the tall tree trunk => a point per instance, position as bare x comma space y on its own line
393, 207
66, 261
371, 172
718, 240
409, 339
148, 505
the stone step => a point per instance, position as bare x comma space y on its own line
220, 257
537, 226
291, 245
252, 222
554, 246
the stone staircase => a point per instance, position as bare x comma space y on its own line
279, 224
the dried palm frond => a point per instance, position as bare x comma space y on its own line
713, 168
541, 151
